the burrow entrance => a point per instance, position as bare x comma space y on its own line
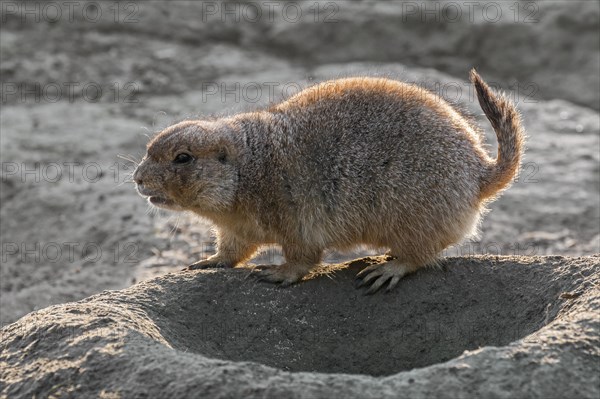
326, 325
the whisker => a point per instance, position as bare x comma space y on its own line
129, 157
173, 231
148, 134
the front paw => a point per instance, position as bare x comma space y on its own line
284, 275
210, 264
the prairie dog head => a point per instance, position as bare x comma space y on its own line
191, 166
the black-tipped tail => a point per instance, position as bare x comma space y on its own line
506, 121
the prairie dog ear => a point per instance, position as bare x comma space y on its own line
223, 155
226, 151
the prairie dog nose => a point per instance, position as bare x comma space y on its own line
137, 178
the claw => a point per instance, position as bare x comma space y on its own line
193, 266
208, 264
364, 279
378, 275
393, 283
378, 283
358, 282
366, 270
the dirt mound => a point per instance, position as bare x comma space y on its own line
524, 326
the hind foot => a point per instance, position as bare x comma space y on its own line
377, 275
284, 275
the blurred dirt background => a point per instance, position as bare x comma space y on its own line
84, 86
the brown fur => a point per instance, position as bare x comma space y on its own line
351, 161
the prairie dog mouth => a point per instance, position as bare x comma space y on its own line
162, 202
158, 199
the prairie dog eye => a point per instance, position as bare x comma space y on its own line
183, 158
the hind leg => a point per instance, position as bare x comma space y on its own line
415, 251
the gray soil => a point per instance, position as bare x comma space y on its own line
69, 237
515, 327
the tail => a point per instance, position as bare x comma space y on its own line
506, 121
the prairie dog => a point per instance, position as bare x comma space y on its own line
345, 162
